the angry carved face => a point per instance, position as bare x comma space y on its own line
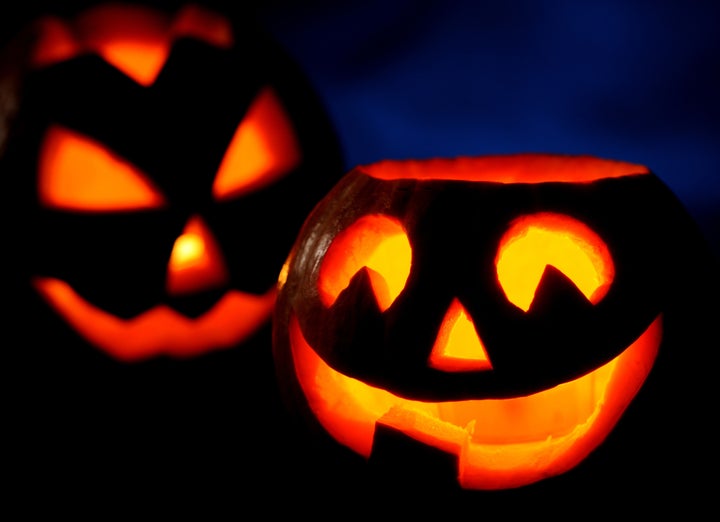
162, 163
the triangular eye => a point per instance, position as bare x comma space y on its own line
263, 148
376, 242
78, 173
535, 241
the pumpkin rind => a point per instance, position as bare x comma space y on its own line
455, 213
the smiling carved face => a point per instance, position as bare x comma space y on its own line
503, 310
153, 150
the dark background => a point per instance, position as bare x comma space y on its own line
635, 80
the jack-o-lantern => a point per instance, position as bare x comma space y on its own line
500, 313
165, 161
158, 160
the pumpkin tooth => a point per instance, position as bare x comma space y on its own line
470, 427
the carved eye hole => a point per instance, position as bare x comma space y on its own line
263, 148
78, 173
376, 242
532, 242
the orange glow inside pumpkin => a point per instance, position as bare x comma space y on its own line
375, 242
134, 39
500, 443
263, 148
159, 330
196, 262
542, 239
77, 173
523, 168
457, 346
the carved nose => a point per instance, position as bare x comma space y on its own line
458, 347
196, 262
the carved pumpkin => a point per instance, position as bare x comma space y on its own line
154, 151
495, 315
157, 165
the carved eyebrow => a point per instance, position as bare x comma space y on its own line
134, 39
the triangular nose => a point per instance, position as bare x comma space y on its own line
458, 347
196, 262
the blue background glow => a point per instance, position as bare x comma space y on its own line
635, 80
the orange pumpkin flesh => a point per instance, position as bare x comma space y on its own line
538, 240
79, 174
499, 443
160, 330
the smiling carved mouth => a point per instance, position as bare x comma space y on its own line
500, 443
160, 330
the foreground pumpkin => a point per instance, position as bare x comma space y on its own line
503, 312
149, 154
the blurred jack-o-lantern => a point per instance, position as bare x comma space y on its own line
502, 313
162, 164
158, 161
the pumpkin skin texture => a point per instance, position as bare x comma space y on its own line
481, 324
118, 167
